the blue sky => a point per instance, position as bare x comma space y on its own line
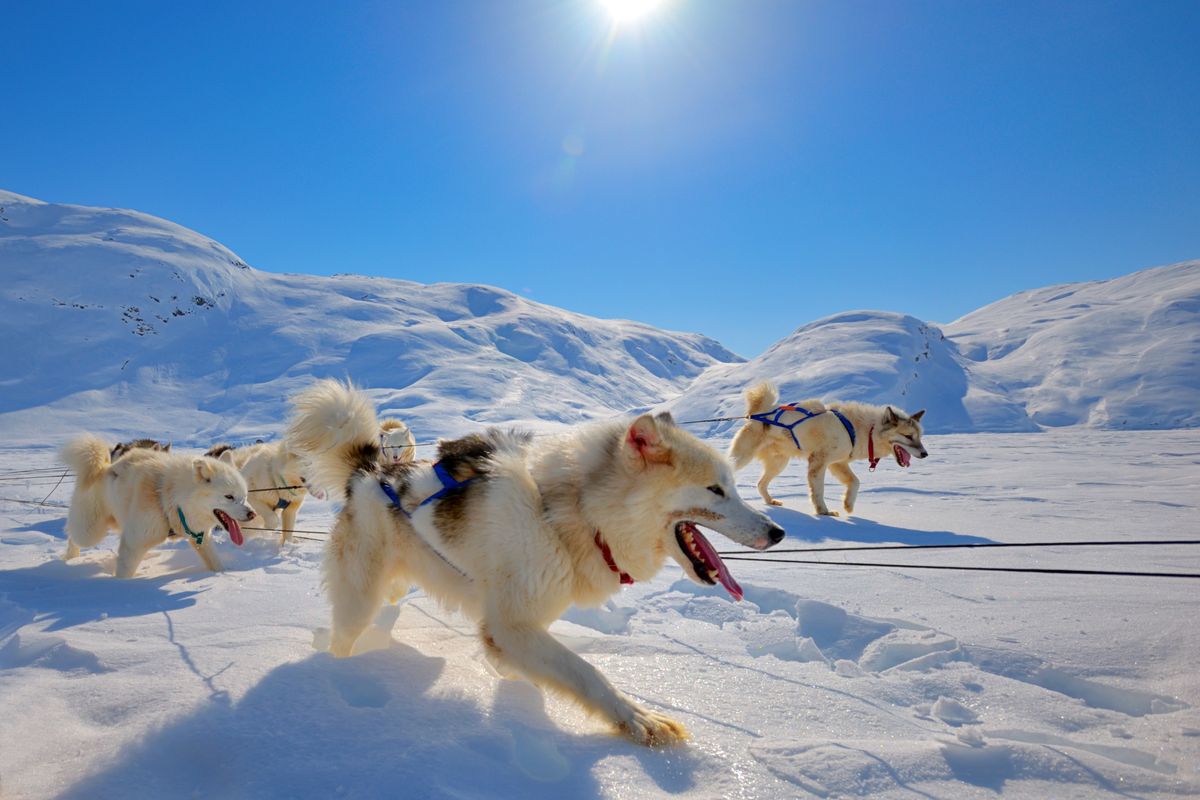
737, 168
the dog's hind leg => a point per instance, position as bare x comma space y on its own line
773, 464
544, 660
72, 551
841, 470
816, 485
357, 582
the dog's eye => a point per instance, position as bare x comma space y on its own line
717, 490
229, 497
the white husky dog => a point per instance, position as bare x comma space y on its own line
276, 477
512, 533
149, 495
830, 435
396, 440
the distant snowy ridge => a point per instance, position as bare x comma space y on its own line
131, 324
1120, 353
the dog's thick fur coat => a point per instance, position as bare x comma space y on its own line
268, 467
142, 494
524, 539
823, 441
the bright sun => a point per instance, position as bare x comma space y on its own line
623, 11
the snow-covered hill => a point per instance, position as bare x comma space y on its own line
1121, 353
1118, 353
119, 317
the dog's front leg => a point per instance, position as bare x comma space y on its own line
208, 553
843, 473
544, 660
289, 522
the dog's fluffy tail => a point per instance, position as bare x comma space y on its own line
334, 427
760, 398
87, 456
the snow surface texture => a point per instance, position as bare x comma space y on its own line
125, 312
141, 318
826, 682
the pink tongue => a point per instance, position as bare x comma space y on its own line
714, 560
902, 456
233, 529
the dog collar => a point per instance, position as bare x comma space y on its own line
871, 459
608, 559
198, 538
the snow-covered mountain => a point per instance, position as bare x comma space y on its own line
1120, 353
1117, 353
111, 318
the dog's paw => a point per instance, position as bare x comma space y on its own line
826, 513
773, 502
652, 729
849, 510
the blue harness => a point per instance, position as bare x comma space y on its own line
448, 483
775, 418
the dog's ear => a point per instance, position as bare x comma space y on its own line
166, 448
889, 416
665, 418
227, 457
203, 468
644, 442
917, 416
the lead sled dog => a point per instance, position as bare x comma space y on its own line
521, 530
148, 495
832, 436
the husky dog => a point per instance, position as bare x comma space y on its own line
823, 438
396, 440
512, 532
276, 476
148, 495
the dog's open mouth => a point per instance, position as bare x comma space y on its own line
902, 456
705, 561
230, 525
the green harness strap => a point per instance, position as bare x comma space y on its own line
198, 538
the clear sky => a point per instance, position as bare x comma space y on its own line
734, 167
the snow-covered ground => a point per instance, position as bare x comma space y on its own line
827, 681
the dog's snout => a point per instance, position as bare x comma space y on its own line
923, 453
250, 514
776, 535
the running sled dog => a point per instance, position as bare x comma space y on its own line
276, 477
512, 532
830, 436
148, 495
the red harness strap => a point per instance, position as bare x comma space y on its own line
871, 459
608, 559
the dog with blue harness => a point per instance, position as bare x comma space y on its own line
829, 435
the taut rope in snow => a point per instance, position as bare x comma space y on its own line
1035, 570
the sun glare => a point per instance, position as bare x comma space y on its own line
626, 11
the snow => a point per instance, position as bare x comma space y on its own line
119, 310
1121, 353
825, 682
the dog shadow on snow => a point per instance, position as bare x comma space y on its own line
368, 726
803, 527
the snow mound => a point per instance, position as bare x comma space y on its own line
124, 317
1106, 354
872, 356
